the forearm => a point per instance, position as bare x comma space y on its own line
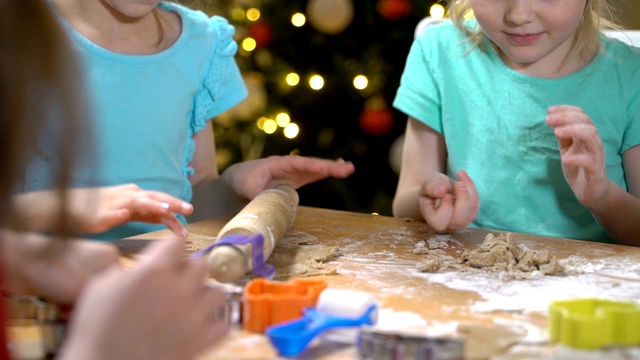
36, 211
619, 215
213, 198
405, 204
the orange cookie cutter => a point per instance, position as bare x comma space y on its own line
269, 302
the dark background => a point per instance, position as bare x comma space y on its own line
337, 121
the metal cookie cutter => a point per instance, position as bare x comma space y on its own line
594, 323
34, 327
269, 302
376, 344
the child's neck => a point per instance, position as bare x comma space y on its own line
555, 65
148, 34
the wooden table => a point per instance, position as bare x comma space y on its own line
377, 254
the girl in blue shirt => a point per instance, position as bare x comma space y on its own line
523, 119
157, 73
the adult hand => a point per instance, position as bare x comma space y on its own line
54, 269
94, 210
582, 153
249, 178
448, 205
159, 309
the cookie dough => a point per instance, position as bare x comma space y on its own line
500, 252
301, 255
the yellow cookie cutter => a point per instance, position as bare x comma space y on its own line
594, 323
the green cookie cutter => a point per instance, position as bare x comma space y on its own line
594, 323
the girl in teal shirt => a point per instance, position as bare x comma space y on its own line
523, 119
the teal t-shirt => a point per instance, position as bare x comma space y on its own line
493, 122
148, 107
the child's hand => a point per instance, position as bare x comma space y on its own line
249, 178
116, 205
448, 205
582, 153
162, 308
94, 210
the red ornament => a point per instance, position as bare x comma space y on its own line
394, 9
261, 33
376, 118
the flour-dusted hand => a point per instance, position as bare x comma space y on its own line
448, 205
94, 210
249, 178
160, 309
582, 153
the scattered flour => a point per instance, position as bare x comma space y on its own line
614, 278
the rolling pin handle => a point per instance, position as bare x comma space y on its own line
227, 265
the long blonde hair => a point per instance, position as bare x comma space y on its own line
597, 16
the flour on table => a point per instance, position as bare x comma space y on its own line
613, 277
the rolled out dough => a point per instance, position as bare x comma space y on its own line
301, 255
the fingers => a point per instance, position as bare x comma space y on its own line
317, 169
169, 203
152, 203
301, 169
467, 202
158, 207
207, 315
436, 201
175, 226
446, 205
216, 319
578, 138
437, 212
341, 168
436, 186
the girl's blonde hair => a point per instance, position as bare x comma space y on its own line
597, 16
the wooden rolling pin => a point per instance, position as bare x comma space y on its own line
270, 214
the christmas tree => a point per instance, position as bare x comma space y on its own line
322, 75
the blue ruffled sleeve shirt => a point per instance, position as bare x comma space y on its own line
148, 107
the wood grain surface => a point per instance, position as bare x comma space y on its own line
376, 254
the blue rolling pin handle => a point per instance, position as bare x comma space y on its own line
292, 337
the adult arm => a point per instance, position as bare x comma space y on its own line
53, 269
